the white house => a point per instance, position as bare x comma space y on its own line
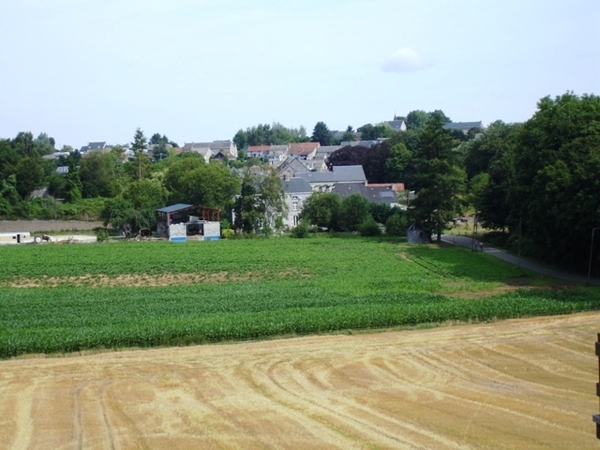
296, 191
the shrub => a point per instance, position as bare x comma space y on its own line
369, 228
300, 231
101, 234
227, 233
396, 225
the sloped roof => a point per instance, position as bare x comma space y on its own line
303, 148
462, 125
296, 186
258, 148
373, 194
279, 148
397, 125
328, 149
340, 174
96, 145
292, 162
173, 208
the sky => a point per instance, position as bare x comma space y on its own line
200, 70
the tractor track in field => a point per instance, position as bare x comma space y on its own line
521, 384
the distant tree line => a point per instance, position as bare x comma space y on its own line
535, 183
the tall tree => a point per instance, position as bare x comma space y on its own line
190, 180
557, 178
417, 119
98, 172
351, 155
30, 172
322, 134
73, 187
139, 146
440, 179
261, 204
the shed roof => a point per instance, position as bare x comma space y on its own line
173, 208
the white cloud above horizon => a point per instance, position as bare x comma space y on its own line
403, 60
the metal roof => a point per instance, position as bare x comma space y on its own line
173, 208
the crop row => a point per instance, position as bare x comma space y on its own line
67, 320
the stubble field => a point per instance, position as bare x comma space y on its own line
516, 384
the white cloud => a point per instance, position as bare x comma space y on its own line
403, 60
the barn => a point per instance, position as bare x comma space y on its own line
182, 222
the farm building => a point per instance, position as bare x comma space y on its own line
181, 222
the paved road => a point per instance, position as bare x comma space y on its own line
468, 242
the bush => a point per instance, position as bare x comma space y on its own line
300, 231
101, 234
396, 225
369, 228
227, 233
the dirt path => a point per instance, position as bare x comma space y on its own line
518, 384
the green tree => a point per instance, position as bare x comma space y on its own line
45, 144
9, 196
240, 140
440, 178
370, 132
322, 134
416, 120
117, 212
30, 172
557, 179
397, 162
146, 194
349, 135
139, 146
9, 158
354, 211
261, 202
498, 139
24, 145
73, 186
98, 172
190, 180
322, 209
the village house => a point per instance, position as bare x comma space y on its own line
304, 150
296, 191
326, 181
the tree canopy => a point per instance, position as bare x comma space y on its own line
322, 135
440, 178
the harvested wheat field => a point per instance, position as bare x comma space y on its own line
516, 384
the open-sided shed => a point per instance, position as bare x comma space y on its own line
181, 222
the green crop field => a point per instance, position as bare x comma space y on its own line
65, 298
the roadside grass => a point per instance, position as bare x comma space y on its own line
255, 289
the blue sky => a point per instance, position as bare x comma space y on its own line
199, 70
